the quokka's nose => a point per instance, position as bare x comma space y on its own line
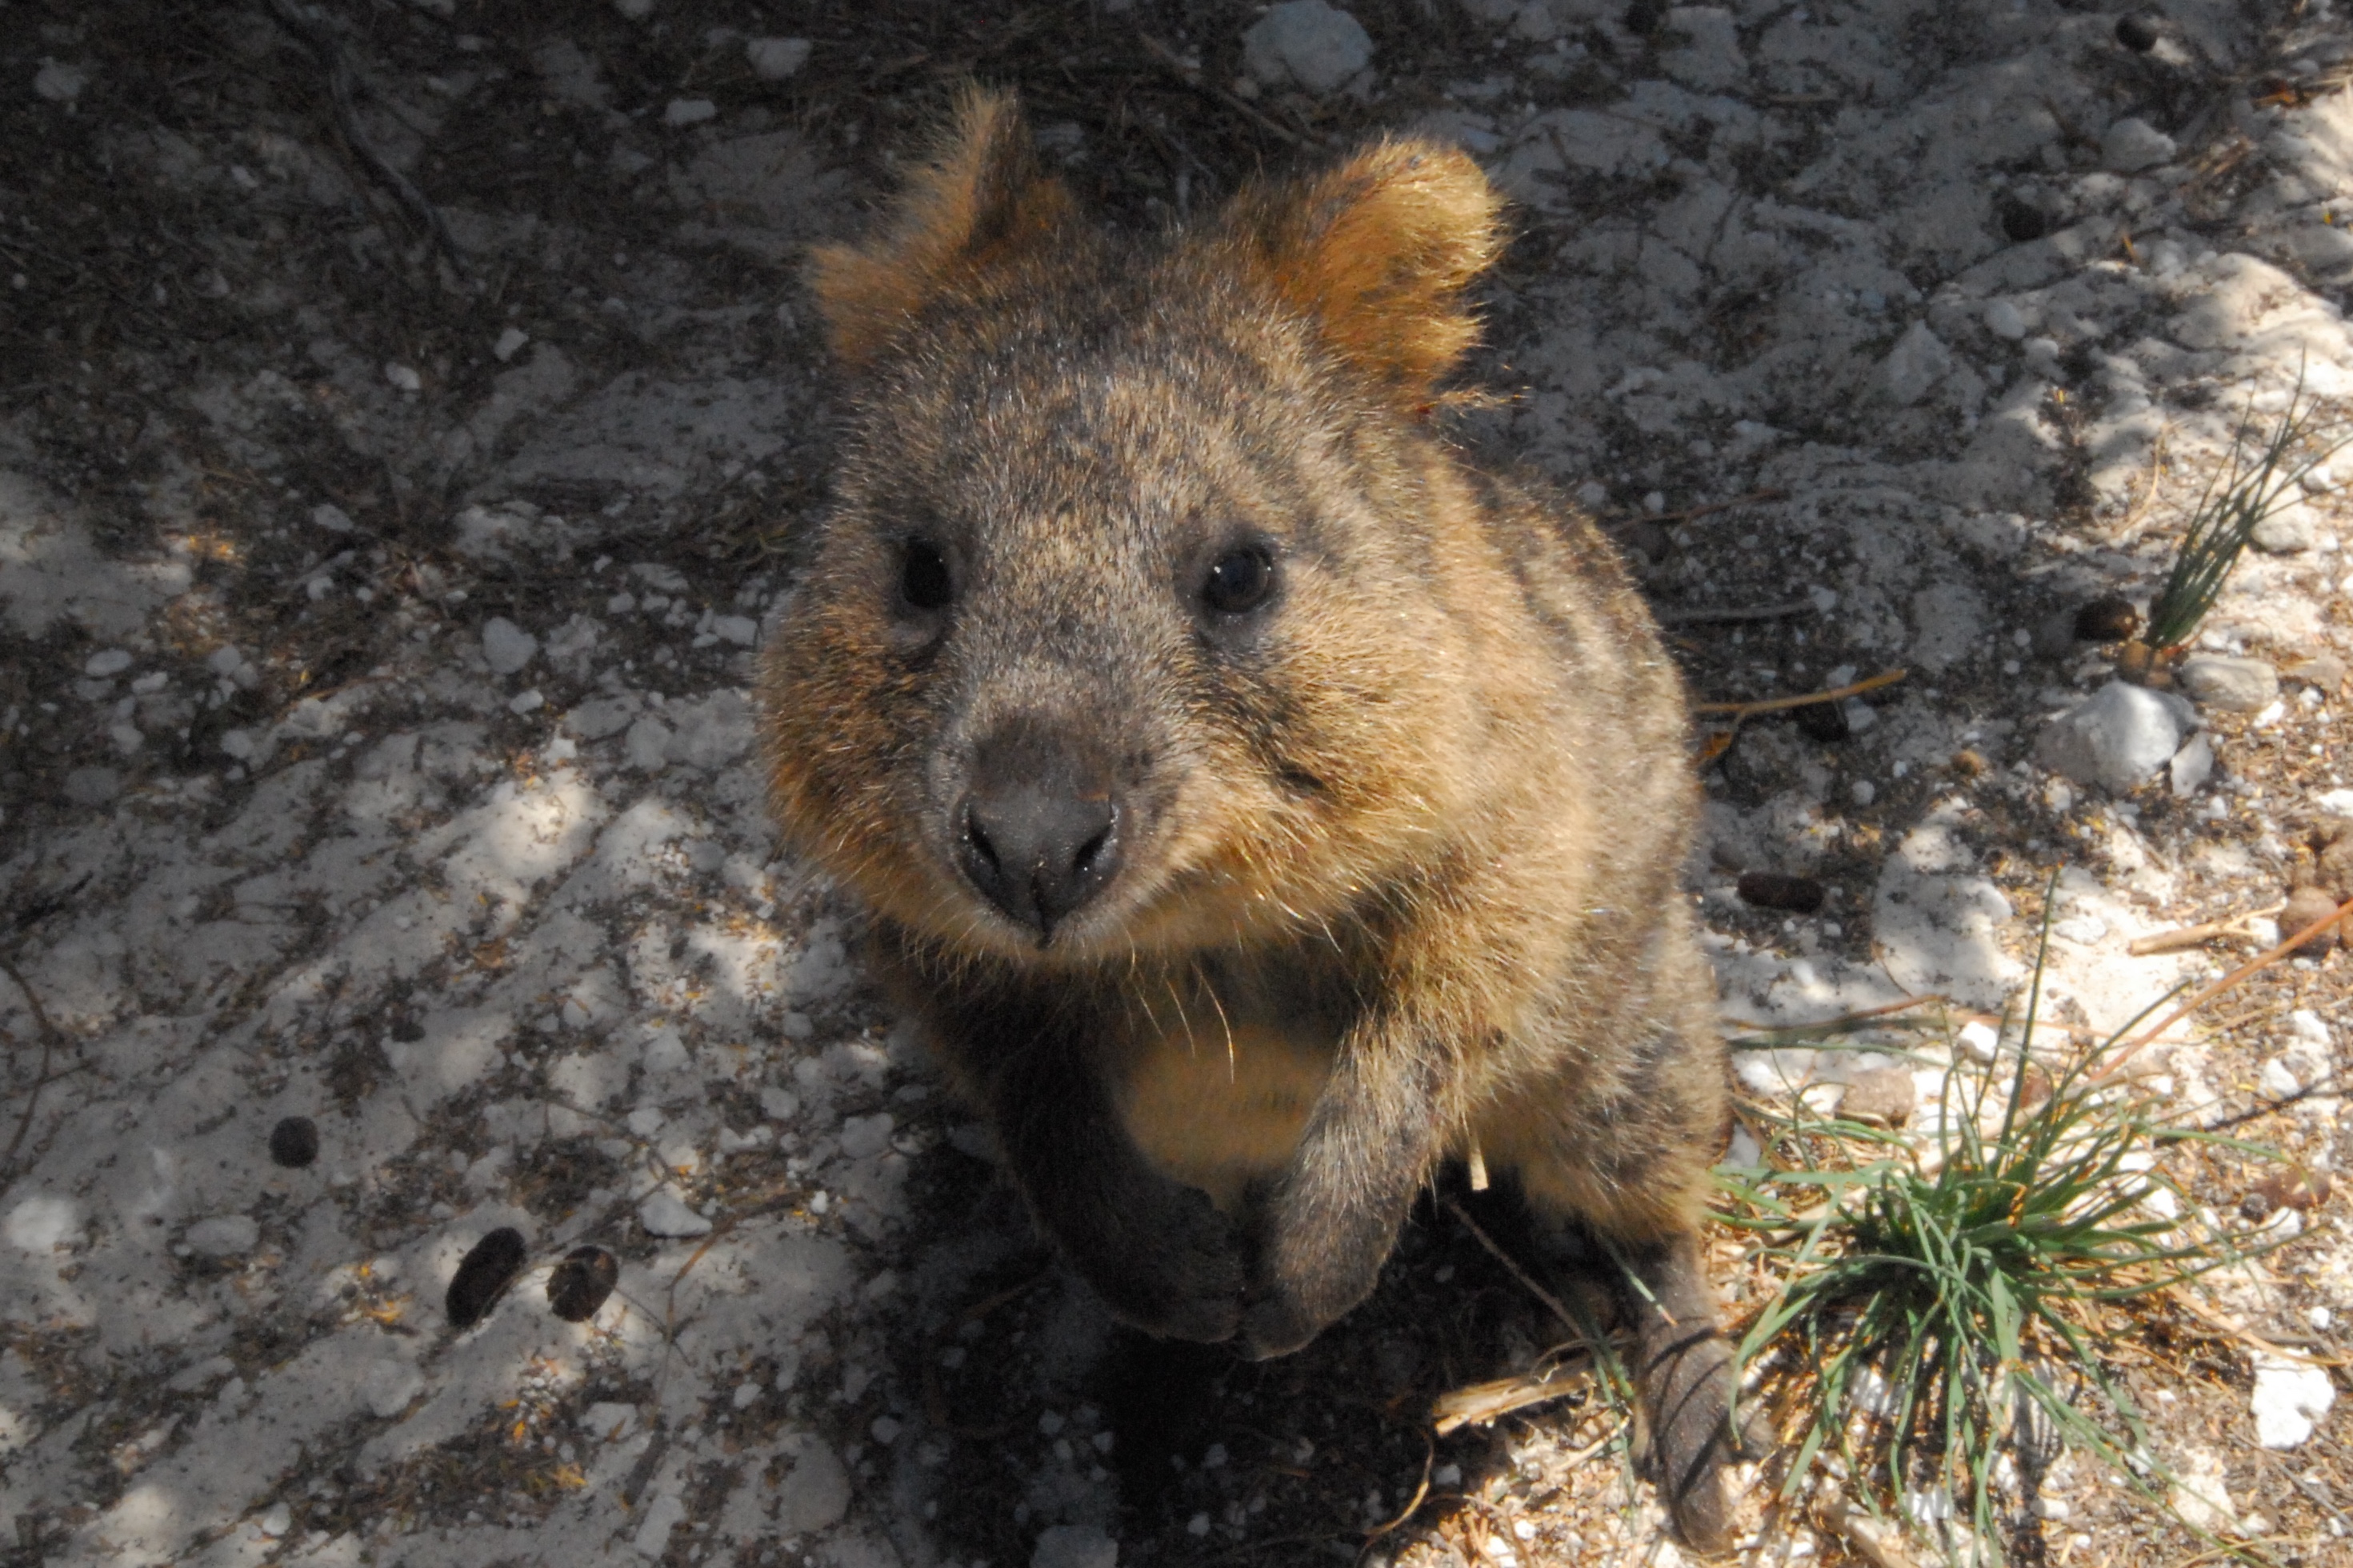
1038, 831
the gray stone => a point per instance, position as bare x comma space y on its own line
1918, 361
815, 1495
774, 60
92, 787
2133, 145
2288, 529
1306, 42
224, 1236
507, 645
664, 1213
2192, 765
2117, 737
2231, 684
1074, 1546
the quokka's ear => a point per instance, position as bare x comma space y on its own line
1377, 252
979, 199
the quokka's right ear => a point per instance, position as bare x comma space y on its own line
977, 201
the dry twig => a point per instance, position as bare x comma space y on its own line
321, 45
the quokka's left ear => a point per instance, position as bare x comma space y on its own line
977, 202
1378, 252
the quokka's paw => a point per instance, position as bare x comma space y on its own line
1276, 1325
1686, 1391
1168, 1263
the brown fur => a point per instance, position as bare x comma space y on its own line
1397, 856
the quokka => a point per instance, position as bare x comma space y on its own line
1257, 805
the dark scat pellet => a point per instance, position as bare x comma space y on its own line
2137, 33
1774, 891
2022, 220
581, 1283
483, 1274
294, 1143
2106, 619
1822, 721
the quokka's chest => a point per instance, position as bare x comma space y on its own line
1216, 1072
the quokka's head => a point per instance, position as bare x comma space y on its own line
1125, 631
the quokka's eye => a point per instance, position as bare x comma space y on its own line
1240, 581
925, 582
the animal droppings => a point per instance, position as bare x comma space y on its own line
483, 1275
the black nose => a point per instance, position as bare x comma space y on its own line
1038, 832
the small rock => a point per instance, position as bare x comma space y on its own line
1775, 891
332, 518
741, 630
2304, 906
2289, 1400
1884, 1095
507, 645
2005, 320
510, 341
60, 82
2117, 737
43, 1222
582, 1283
294, 1143
2233, 685
2137, 33
2192, 765
483, 1275
689, 111
862, 1137
92, 787
2108, 618
2324, 672
2278, 1079
2132, 144
774, 60
647, 744
404, 377
1918, 361
1074, 1546
224, 1236
1306, 42
2288, 529
107, 662
665, 1214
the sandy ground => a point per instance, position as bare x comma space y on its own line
376, 619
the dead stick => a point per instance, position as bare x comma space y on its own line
1518, 1273
1844, 1020
1192, 79
50, 1037
1775, 704
1754, 498
2254, 966
2191, 936
1742, 613
322, 45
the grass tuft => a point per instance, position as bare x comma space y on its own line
2237, 497
1944, 1296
